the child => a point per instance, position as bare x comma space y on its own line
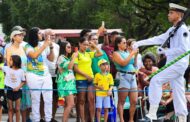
14, 80
2, 94
103, 81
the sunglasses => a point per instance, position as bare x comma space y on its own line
104, 64
19, 34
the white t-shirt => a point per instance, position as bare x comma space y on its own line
13, 78
52, 65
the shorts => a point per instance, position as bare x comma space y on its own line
11, 95
2, 97
103, 102
126, 80
83, 83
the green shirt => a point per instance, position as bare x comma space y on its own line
95, 67
2, 85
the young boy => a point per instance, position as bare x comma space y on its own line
103, 81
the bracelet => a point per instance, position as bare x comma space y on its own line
51, 47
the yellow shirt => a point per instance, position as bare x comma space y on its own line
84, 62
105, 81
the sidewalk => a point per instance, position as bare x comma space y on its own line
58, 117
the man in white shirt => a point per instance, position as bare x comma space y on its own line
52, 67
178, 44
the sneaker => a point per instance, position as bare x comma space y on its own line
53, 120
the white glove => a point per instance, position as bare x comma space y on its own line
135, 46
160, 50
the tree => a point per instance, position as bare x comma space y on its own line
138, 18
29, 13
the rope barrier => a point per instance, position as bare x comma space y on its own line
85, 90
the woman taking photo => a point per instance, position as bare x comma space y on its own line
84, 77
66, 83
125, 60
38, 76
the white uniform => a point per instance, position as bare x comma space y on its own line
179, 44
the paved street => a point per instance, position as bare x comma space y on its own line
58, 116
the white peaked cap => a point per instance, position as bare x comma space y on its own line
177, 7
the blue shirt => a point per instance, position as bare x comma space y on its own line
129, 67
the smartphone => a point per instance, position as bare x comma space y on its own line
48, 37
103, 24
76, 49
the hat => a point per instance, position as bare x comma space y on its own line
176, 7
18, 27
102, 61
15, 33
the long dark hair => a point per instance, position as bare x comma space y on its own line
16, 61
33, 36
62, 49
117, 41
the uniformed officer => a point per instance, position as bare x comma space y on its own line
178, 44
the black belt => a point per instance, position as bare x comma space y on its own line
126, 72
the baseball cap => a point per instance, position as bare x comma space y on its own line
102, 61
15, 33
18, 27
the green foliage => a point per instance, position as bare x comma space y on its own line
138, 18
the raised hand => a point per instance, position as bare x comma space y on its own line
135, 46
